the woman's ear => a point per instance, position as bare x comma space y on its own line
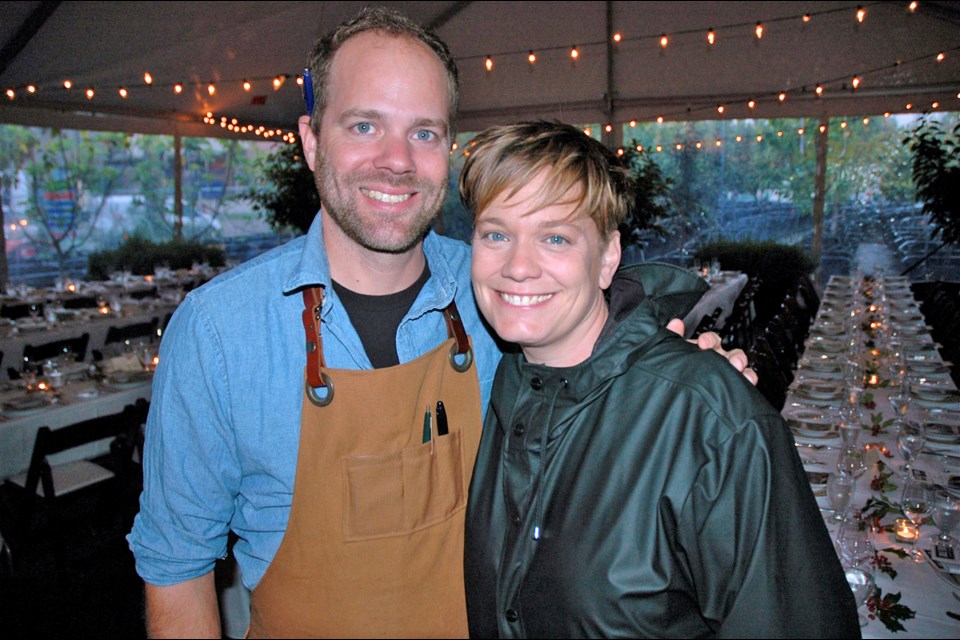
610, 259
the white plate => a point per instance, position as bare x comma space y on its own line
25, 406
127, 379
943, 433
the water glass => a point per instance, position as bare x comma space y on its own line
911, 438
840, 490
946, 515
862, 583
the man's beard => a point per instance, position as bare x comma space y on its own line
340, 196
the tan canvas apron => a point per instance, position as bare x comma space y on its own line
374, 545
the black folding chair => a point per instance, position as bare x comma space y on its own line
56, 349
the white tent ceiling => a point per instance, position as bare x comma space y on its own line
108, 45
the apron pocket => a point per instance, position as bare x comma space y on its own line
402, 492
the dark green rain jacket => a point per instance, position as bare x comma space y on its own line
649, 491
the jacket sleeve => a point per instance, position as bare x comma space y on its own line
760, 556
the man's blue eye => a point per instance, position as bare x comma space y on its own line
425, 135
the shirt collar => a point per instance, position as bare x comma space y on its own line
313, 268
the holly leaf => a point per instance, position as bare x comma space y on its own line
887, 609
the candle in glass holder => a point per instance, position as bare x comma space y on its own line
906, 531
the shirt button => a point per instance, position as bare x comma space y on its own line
511, 615
516, 521
518, 430
536, 383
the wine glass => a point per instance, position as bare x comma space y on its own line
855, 541
862, 583
851, 416
839, 491
916, 504
851, 463
946, 515
29, 372
911, 437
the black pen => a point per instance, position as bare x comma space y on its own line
441, 419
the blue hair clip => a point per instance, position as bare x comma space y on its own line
308, 91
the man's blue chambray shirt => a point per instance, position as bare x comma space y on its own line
224, 425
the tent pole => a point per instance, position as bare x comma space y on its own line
177, 186
819, 193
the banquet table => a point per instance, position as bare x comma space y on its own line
76, 401
914, 596
121, 304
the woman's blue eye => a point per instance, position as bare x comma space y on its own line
363, 127
556, 240
496, 236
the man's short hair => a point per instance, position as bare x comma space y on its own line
382, 20
503, 159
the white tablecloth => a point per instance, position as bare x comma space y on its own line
919, 585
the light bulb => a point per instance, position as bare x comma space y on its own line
67, 84
574, 54
89, 94
617, 38
246, 85
532, 58
211, 88
148, 78
664, 41
758, 31
861, 14
711, 36
488, 63
122, 92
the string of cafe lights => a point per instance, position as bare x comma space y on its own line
848, 82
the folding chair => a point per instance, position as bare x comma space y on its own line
58, 348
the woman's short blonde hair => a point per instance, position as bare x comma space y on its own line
578, 169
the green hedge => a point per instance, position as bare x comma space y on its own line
140, 257
778, 266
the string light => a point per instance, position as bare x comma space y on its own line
679, 146
67, 85
758, 31
211, 88
11, 94
823, 128
866, 121
913, 6
886, 114
659, 148
178, 88
720, 109
659, 119
909, 106
532, 58
699, 145
633, 124
639, 148
855, 82
751, 104
861, 14
935, 105
759, 138
608, 128
587, 131
90, 93
123, 92
843, 125
719, 143
800, 131
620, 151
782, 96
807, 18
279, 80
664, 41
941, 56
246, 85
147, 78
711, 36
779, 134
617, 37
488, 63
819, 89
574, 54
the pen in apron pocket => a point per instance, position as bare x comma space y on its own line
442, 428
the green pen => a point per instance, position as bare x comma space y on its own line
427, 426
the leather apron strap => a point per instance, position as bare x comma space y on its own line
374, 543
